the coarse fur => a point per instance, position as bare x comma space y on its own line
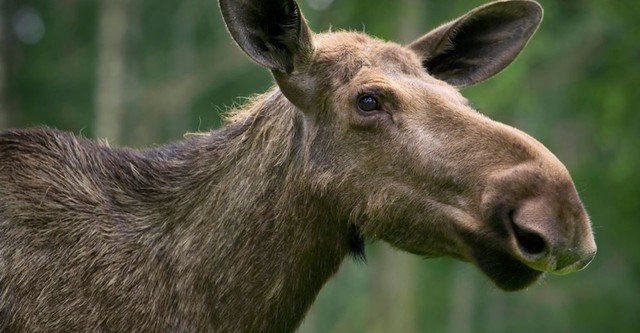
171, 239
236, 230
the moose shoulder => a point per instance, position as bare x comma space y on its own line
237, 230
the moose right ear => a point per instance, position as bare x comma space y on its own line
273, 33
479, 44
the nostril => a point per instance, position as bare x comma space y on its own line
529, 242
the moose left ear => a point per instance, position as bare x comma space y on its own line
273, 33
479, 44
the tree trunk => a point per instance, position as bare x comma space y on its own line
463, 299
411, 25
4, 111
496, 310
393, 296
109, 97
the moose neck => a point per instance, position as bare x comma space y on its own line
276, 242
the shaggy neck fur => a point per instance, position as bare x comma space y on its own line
223, 232
268, 241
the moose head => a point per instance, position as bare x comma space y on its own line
389, 139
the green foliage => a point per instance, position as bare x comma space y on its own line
574, 88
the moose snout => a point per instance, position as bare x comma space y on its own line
546, 238
545, 223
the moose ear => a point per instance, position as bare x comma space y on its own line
273, 33
479, 44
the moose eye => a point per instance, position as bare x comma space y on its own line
368, 103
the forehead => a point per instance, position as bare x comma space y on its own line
344, 61
342, 55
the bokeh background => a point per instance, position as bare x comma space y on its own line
144, 72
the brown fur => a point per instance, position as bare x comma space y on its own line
238, 229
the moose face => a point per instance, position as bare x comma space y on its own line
404, 156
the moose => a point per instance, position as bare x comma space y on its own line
237, 229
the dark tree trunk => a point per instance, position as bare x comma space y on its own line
110, 96
4, 107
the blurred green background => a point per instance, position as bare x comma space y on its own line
145, 72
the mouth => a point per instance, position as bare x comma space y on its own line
488, 252
513, 253
501, 264
506, 272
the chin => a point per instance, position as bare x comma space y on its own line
506, 272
